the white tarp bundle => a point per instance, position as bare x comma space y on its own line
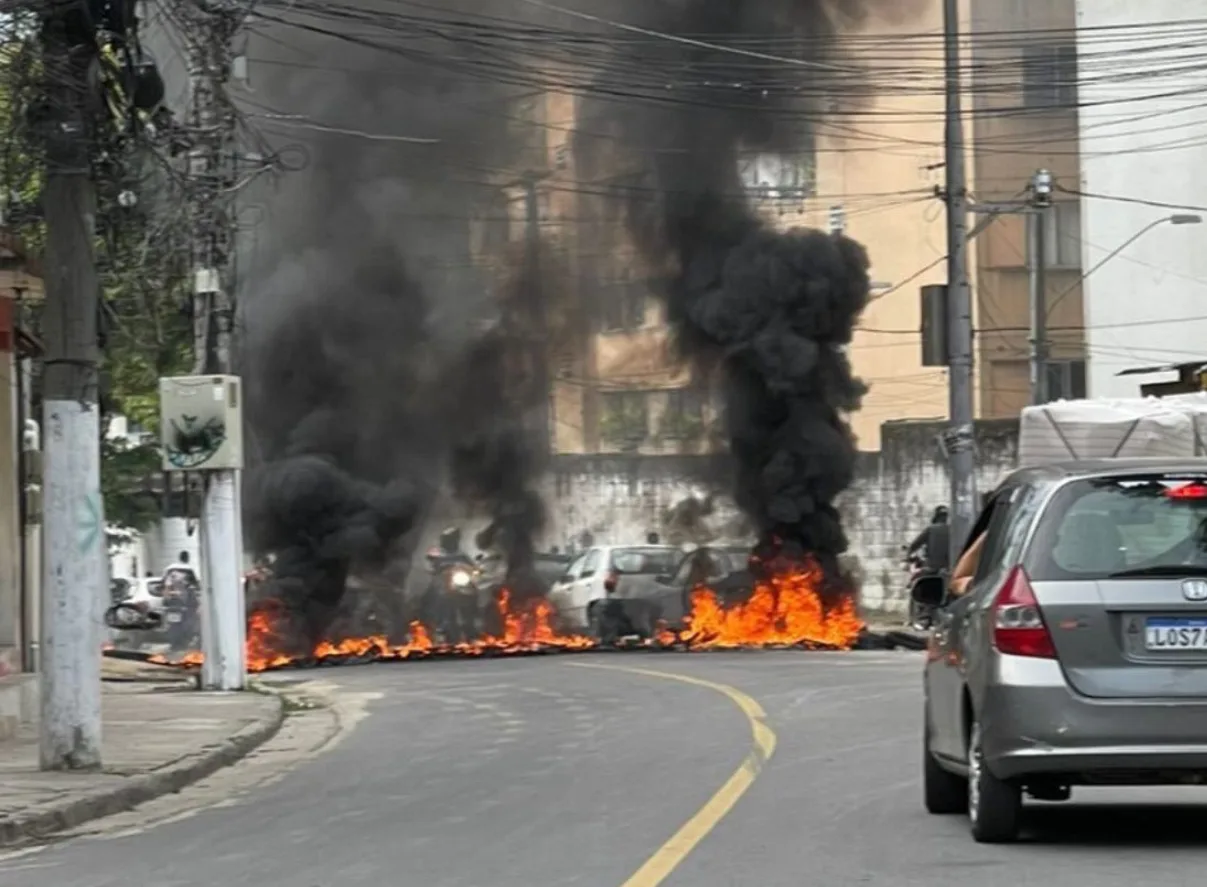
1151, 427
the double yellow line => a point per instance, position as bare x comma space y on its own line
670, 855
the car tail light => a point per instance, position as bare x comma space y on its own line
1018, 624
1188, 491
611, 581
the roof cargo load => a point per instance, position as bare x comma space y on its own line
1169, 427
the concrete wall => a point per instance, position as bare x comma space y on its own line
1143, 127
617, 499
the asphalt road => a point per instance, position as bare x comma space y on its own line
543, 772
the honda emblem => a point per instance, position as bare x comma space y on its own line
1194, 589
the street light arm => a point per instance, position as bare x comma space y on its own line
1174, 219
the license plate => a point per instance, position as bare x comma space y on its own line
1175, 634
175, 617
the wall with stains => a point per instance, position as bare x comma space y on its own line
620, 498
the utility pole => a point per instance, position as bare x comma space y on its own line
960, 440
1041, 203
210, 28
542, 425
75, 575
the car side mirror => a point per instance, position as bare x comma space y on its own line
930, 591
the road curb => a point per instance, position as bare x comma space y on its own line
45, 820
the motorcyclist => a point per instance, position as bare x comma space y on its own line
180, 583
455, 605
929, 553
932, 545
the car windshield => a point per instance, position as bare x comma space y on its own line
1103, 527
648, 561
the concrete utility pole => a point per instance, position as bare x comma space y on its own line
210, 28
75, 579
960, 439
1041, 204
542, 424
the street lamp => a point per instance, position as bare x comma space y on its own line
1175, 219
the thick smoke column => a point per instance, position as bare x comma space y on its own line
773, 311
496, 392
361, 298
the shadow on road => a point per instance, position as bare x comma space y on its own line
1100, 825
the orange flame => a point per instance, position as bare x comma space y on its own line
783, 610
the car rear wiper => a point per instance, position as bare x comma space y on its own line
1162, 570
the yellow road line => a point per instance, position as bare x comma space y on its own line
670, 855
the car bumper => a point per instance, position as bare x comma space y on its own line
1033, 723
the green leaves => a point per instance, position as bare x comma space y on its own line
142, 252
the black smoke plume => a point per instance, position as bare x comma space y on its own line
361, 296
497, 392
772, 311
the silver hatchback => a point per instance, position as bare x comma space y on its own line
1078, 653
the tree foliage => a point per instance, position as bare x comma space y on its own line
142, 255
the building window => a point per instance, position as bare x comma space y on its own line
1062, 236
779, 177
684, 414
1066, 379
624, 417
1050, 76
624, 303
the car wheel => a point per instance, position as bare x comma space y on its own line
944, 793
995, 807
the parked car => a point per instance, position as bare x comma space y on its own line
1078, 653
724, 570
581, 592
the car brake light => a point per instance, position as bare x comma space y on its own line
1018, 624
611, 581
1188, 491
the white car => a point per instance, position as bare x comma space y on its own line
591, 576
147, 594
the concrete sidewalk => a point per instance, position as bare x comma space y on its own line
159, 736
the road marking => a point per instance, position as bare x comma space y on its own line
670, 855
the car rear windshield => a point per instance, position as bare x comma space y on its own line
650, 561
1106, 526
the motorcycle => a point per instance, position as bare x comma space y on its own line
453, 595
181, 619
921, 616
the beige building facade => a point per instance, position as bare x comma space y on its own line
875, 171
1024, 118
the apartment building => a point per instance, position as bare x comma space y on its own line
872, 169
1143, 126
1024, 117
617, 386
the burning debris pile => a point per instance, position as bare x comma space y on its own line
368, 383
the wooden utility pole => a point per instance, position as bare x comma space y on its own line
75, 573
